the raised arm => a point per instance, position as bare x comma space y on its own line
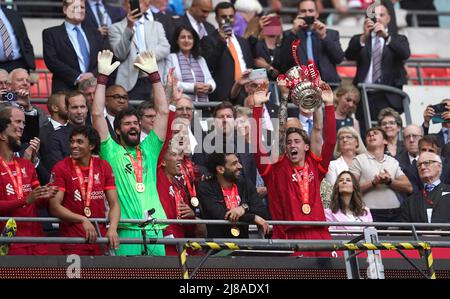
329, 129
105, 68
146, 62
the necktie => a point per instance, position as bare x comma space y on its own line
83, 47
376, 60
309, 46
414, 163
310, 125
101, 21
237, 64
7, 45
201, 31
429, 187
139, 37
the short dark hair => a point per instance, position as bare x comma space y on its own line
217, 159
431, 140
299, 131
53, 98
127, 112
142, 106
196, 46
223, 5
224, 105
91, 134
73, 94
4, 123
376, 128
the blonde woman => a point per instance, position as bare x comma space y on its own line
348, 145
346, 98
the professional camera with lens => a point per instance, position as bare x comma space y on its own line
10, 96
309, 20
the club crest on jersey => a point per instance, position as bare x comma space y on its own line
97, 178
171, 191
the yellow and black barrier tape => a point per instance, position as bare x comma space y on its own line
331, 247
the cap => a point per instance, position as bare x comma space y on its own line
273, 27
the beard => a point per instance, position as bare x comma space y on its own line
130, 142
14, 144
230, 176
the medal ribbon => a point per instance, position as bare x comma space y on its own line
137, 166
85, 194
232, 200
178, 200
303, 183
17, 184
191, 187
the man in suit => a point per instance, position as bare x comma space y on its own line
317, 43
58, 143
70, 49
433, 204
443, 135
228, 196
380, 56
16, 50
226, 54
411, 136
196, 16
133, 35
56, 106
100, 16
116, 100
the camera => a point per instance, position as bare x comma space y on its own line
309, 20
438, 110
10, 96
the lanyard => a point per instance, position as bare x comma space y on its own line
85, 194
191, 187
231, 200
17, 184
137, 165
303, 185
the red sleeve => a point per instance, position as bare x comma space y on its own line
7, 206
58, 176
168, 137
261, 152
329, 130
110, 183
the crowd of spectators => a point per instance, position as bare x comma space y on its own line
94, 155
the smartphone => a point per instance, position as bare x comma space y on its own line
258, 74
374, 19
134, 4
226, 26
438, 110
309, 20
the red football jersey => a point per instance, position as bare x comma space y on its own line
11, 206
65, 178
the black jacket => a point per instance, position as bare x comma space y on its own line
214, 207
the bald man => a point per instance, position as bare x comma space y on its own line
196, 16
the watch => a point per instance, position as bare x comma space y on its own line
246, 207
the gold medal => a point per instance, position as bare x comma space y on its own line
306, 209
235, 231
140, 187
87, 212
194, 201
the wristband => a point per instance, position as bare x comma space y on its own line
154, 77
172, 108
102, 79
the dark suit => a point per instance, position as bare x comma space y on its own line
167, 23
26, 48
115, 13
414, 208
44, 133
392, 70
214, 207
61, 58
184, 20
221, 63
327, 53
59, 145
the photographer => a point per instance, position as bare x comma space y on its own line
317, 43
226, 54
439, 113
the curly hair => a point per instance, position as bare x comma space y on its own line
356, 204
